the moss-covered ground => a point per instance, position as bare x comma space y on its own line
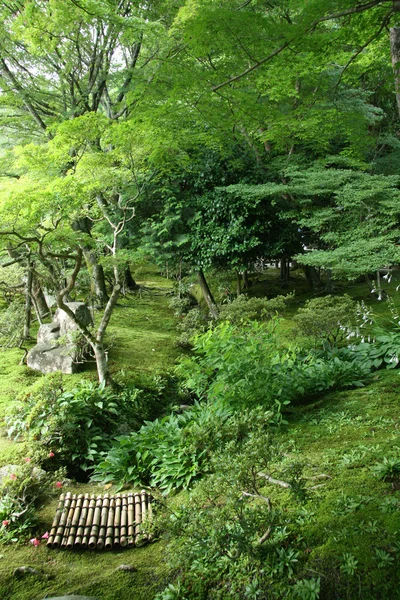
353, 519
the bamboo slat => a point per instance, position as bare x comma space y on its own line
102, 522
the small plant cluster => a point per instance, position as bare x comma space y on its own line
171, 453
244, 309
227, 540
20, 493
81, 423
192, 321
12, 324
327, 320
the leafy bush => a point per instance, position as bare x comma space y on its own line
382, 352
190, 325
244, 366
180, 305
80, 424
244, 309
226, 539
171, 453
327, 319
20, 494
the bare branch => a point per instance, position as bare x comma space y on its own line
270, 479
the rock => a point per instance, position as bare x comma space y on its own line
47, 358
20, 572
66, 324
57, 349
8, 470
48, 333
129, 568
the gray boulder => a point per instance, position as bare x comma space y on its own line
57, 349
48, 358
67, 325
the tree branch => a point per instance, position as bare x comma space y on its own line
351, 11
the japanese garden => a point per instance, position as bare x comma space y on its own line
200, 299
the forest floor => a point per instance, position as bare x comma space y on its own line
342, 435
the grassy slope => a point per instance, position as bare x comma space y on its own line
343, 436
354, 512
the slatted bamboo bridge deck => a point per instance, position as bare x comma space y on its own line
100, 522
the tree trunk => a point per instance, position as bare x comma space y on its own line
246, 280
379, 285
329, 284
238, 284
129, 283
395, 54
28, 301
101, 357
208, 297
312, 277
96, 271
39, 299
285, 271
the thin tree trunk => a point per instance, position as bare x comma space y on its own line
238, 283
379, 285
284, 269
96, 271
246, 281
39, 299
208, 297
329, 284
395, 54
101, 357
28, 301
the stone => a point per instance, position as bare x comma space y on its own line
20, 572
48, 333
8, 470
56, 348
66, 324
48, 358
129, 568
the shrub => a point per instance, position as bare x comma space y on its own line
190, 325
244, 309
20, 494
226, 539
245, 366
327, 319
173, 452
80, 423
12, 324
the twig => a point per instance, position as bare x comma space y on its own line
270, 479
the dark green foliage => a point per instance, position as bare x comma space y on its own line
193, 323
12, 324
78, 425
244, 309
228, 540
245, 366
171, 453
327, 320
